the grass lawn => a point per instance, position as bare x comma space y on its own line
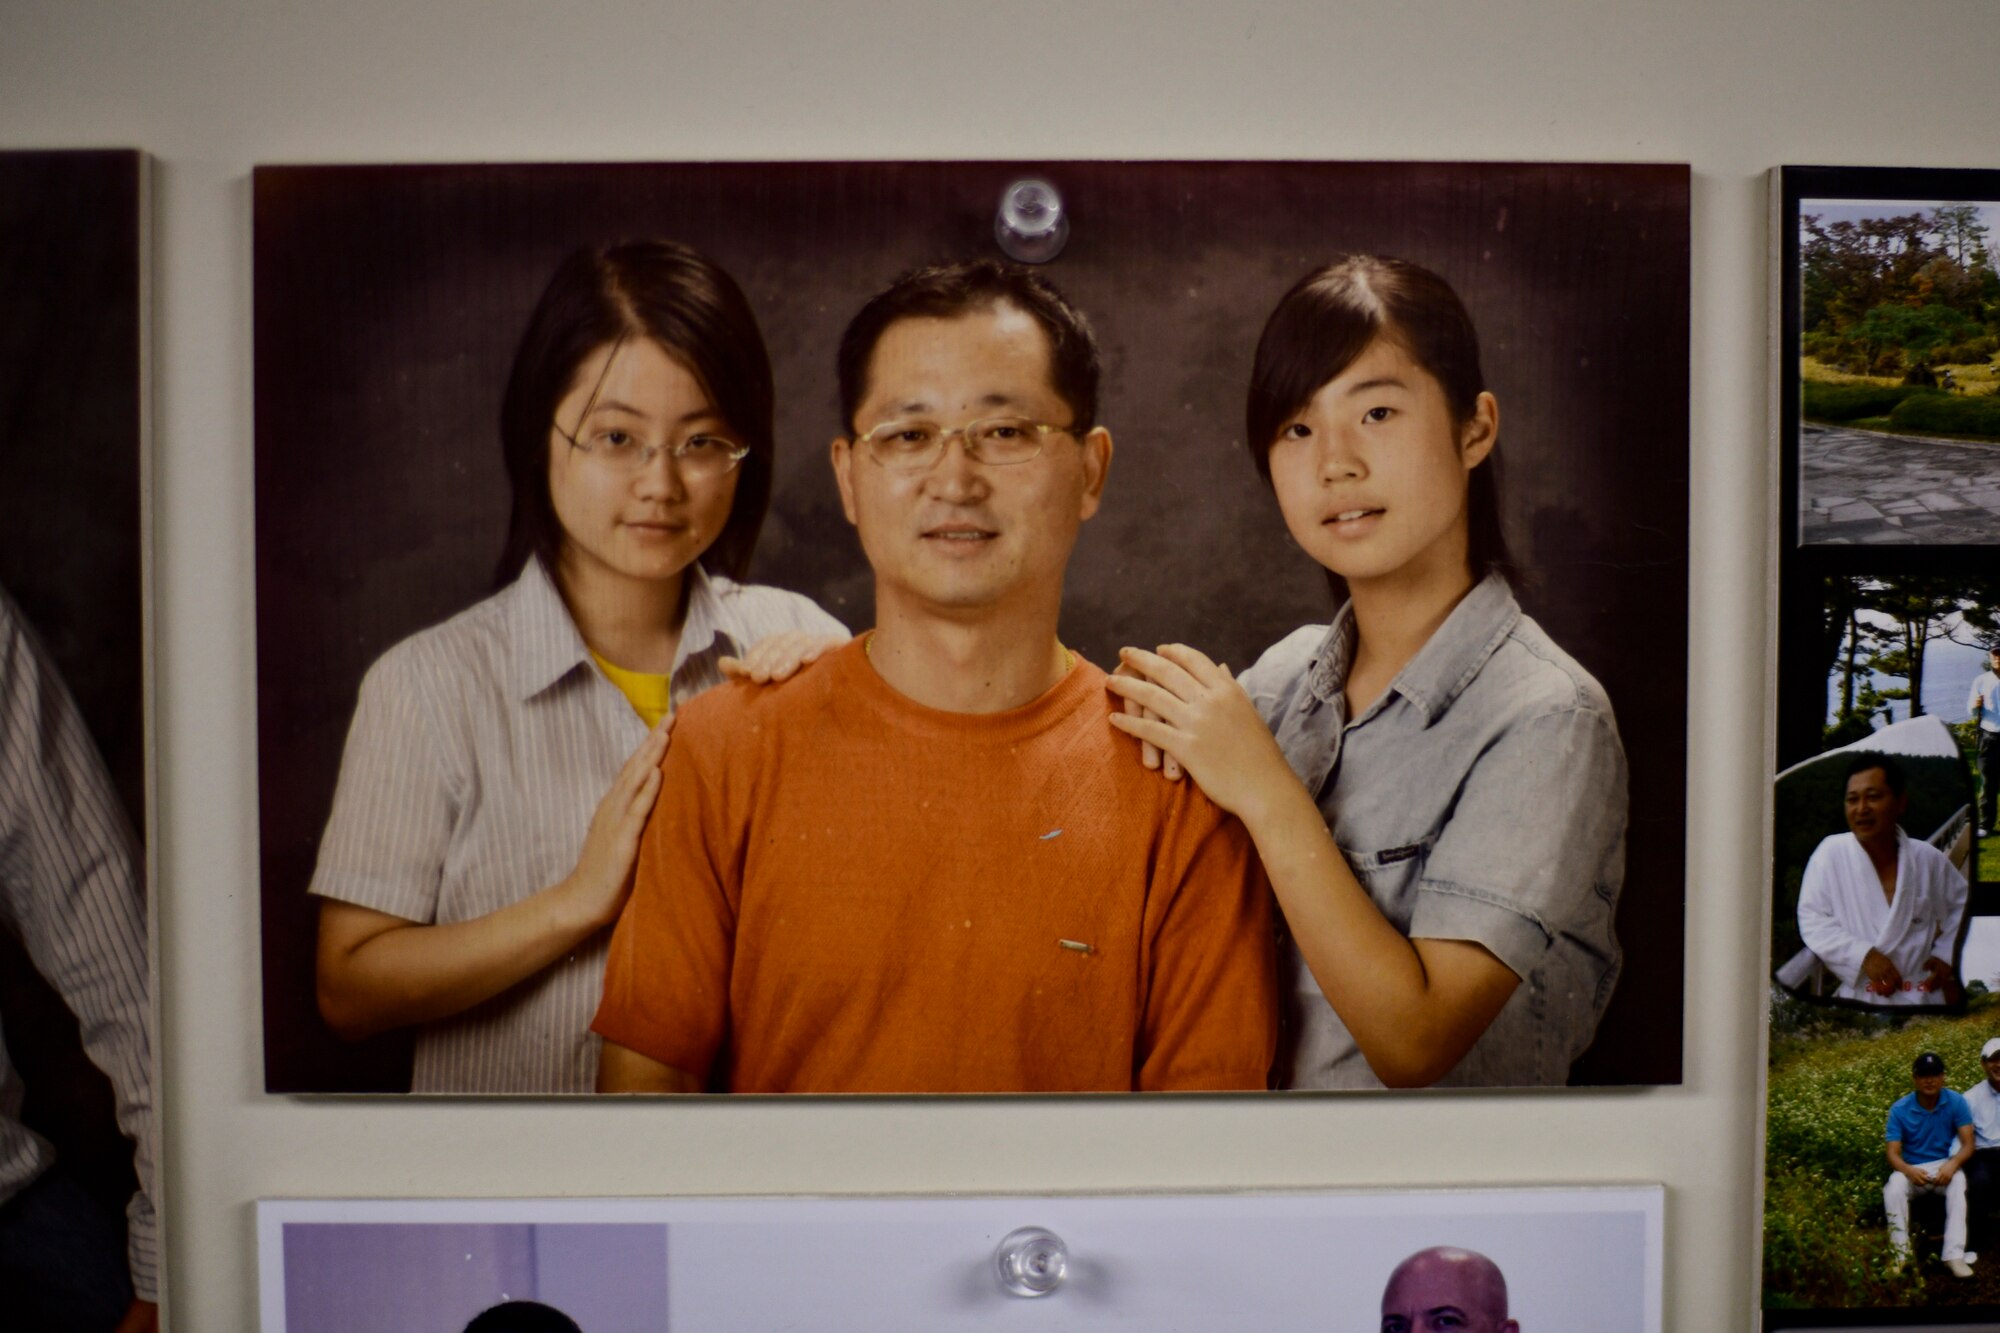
1833, 1075
1812, 368
1973, 380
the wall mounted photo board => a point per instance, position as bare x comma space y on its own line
1885, 910
1573, 1257
390, 303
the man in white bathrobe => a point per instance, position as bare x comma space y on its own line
1879, 908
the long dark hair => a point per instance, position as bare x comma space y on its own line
654, 289
1329, 318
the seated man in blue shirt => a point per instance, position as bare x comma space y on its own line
1929, 1138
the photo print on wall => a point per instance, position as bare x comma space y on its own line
539, 446
1542, 1258
78, 1136
1883, 1107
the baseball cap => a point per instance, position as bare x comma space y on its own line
1992, 1045
1926, 1064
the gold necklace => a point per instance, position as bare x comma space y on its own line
1069, 654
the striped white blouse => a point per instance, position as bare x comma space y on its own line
70, 889
479, 749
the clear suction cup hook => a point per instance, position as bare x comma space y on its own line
1032, 1261
1031, 225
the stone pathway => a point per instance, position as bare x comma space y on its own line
1867, 488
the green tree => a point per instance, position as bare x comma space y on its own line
1882, 626
1917, 332
1841, 634
1962, 235
1922, 607
1848, 268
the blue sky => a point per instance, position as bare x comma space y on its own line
1856, 210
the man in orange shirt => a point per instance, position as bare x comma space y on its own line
928, 864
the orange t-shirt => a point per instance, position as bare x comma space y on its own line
841, 890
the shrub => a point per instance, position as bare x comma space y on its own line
1846, 402
1948, 414
1973, 352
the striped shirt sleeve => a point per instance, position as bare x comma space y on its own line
70, 889
394, 810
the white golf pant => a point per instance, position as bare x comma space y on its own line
1896, 1201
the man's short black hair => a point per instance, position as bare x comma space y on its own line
1892, 772
522, 1317
947, 291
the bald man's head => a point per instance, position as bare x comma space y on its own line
1446, 1290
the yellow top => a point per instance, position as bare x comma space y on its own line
651, 695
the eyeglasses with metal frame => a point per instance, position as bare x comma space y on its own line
916, 445
701, 456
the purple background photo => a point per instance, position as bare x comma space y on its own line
425, 1277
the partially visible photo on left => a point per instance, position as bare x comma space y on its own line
79, 1234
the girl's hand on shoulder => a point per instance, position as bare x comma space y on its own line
1149, 753
777, 657
602, 879
1203, 720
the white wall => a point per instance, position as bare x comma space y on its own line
213, 88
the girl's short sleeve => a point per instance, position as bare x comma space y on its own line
390, 830
1533, 852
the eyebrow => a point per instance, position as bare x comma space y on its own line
1379, 382
995, 399
704, 413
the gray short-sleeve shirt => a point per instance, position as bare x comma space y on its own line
479, 749
1483, 798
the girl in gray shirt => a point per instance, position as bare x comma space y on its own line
1437, 790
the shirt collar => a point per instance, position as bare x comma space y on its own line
703, 625
548, 646
546, 643
1446, 663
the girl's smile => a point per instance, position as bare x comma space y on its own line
648, 523
1372, 473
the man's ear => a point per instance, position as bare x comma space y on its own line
842, 453
1481, 431
1096, 467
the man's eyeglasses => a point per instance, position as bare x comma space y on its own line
913, 446
700, 457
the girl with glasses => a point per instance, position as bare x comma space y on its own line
501, 766
1437, 790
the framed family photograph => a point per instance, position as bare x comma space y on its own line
971, 627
